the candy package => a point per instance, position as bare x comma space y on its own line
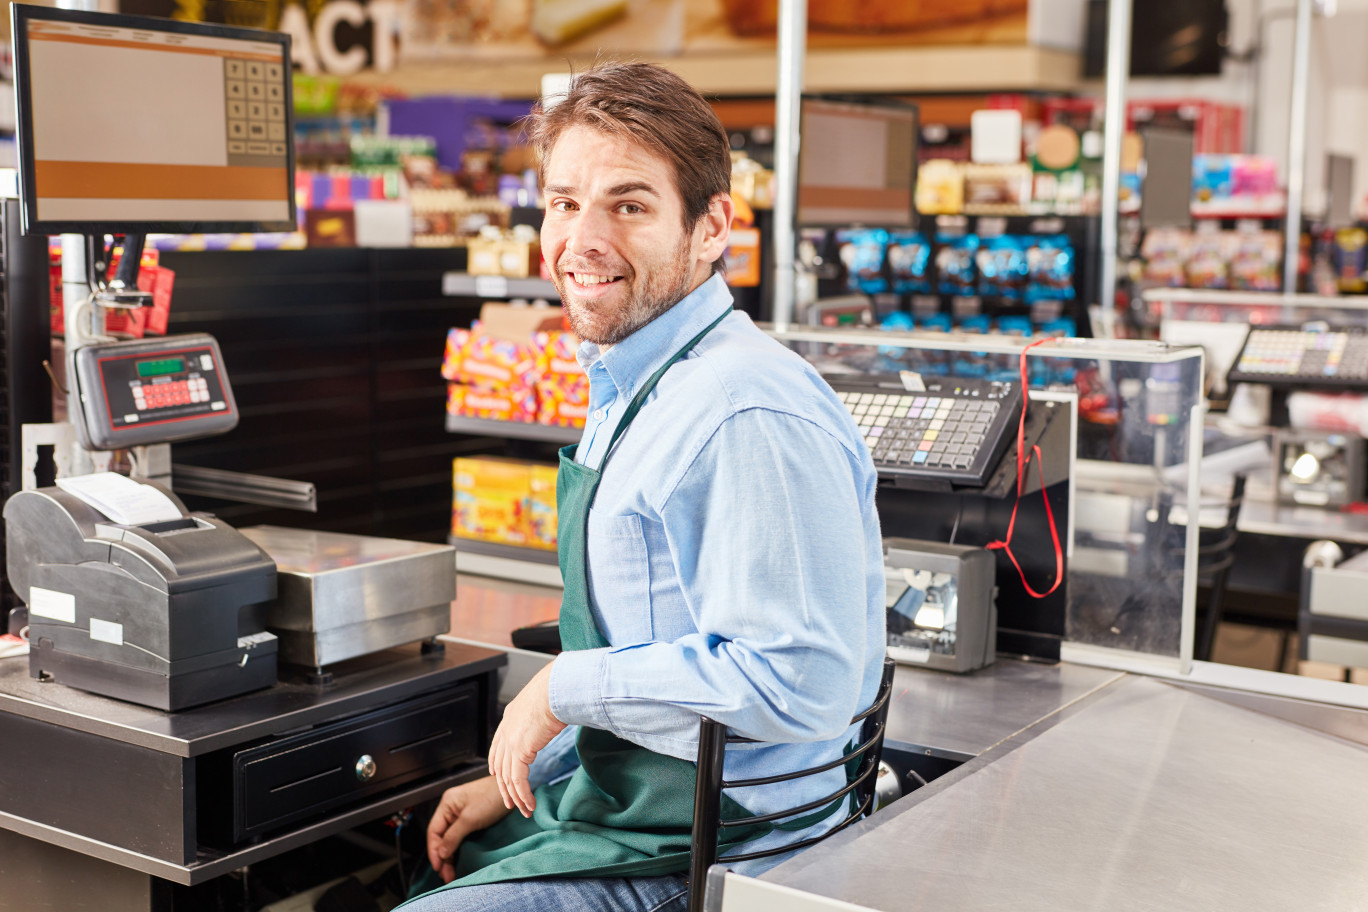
561, 384
955, 264
1002, 267
1165, 252
1257, 261
1050, 269
1208, 264
508, 403
861, 251
909, 262
1350, 259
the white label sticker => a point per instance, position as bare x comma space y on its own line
487, 286
60, 606
217, 406
106, 631
206, 362
130, 419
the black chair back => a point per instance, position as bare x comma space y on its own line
712, 745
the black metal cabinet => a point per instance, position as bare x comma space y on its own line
185, 797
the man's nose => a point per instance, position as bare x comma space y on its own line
588, 233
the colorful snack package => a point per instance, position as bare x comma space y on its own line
1050, 268
861, 250
561, 384
909, 262
489, 499
511, 403
955, 263
1002, 267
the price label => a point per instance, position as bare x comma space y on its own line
491, 286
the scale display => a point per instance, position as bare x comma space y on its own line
153, 391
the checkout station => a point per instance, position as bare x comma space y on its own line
197, 700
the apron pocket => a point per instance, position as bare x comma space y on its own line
619, 577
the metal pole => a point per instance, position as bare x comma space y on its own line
1113, 127
1296, 144
787, 100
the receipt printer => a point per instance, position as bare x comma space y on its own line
166, 613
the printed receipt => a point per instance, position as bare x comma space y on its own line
120, 498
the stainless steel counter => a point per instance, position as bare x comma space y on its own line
959, 717
1143, 796
1267, 518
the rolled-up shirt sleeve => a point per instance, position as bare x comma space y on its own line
767, 531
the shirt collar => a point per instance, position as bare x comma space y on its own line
631, 362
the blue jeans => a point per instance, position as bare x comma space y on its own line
669, 893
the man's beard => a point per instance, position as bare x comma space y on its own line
663, 289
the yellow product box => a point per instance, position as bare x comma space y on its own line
520, 259
484, 256
490, 499
541, 508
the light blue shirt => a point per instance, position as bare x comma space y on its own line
735, 561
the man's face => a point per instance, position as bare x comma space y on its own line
614, 234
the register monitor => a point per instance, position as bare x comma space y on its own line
858, 163
198, 138
130, 124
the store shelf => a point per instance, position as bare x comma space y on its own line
461, 283
510, 562
520, 430
753, 71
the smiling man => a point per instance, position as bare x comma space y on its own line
718, 539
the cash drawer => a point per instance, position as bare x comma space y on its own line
298, 776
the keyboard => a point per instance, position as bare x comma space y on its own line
955, 430
1292, 355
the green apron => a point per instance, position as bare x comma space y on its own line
626, 811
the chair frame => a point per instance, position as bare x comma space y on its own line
712, 744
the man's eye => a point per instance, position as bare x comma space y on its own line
631, 208
563, 206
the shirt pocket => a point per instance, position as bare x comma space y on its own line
619, 577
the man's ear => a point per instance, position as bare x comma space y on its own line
716, 227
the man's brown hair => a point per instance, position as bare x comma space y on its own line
651, 106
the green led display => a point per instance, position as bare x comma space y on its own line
161, 367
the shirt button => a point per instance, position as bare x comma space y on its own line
598, 414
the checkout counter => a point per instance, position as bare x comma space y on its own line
197, 699
1127, 776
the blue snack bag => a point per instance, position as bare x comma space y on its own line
1002, 267
1050, 262
861, 250
955, 264
909, 262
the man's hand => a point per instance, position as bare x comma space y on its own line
526, 728
464, 809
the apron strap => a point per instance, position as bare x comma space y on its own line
646, 388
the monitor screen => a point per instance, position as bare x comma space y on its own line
1168, 38
857, 164
1166, 194
133, 125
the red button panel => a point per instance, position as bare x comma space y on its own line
150, 396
